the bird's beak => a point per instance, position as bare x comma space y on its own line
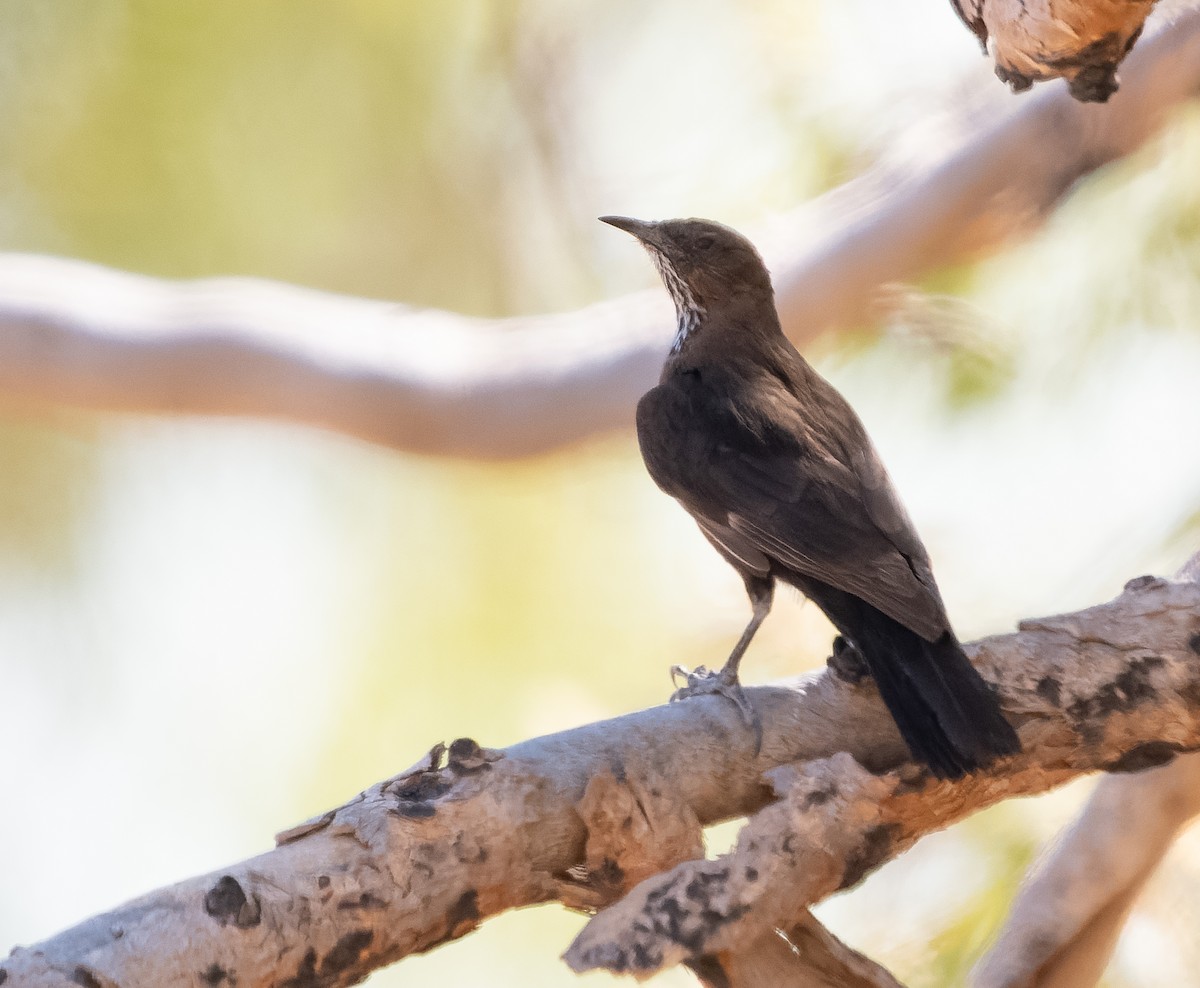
645, 231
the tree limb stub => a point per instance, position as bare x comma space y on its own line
79, 335
1081, 41
583, 816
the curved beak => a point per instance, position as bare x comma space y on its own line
644, 230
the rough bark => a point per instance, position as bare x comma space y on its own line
1082, 41
79, 335
611, 813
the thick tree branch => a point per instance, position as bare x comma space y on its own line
79, 335
586, 815
1082, 41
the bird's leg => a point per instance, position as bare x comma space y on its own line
700, 681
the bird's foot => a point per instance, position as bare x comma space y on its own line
847, 662
702, 682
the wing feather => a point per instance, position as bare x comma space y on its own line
766, 487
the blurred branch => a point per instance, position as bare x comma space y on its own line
607, 817
1067, 917
1082, 41
79, 335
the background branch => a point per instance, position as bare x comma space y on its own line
1066, 919
584, 816
79, 335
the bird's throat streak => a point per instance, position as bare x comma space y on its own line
688, 310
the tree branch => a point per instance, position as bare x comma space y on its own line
79, 335
586, 815
1067, 917
1082, 41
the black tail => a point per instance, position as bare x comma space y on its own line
946, 713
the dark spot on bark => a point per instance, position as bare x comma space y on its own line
709, 970
1050, 690
700, 888
3, 975
874, 850
364, 901
752, 874
214, 974
670, 919
468, 758
464, 914
461, 918
1148, 755
1124, 693
226, 902
609, 874
82, 976
691, 925
415, 795
414, 811
323, 882
345, 953
306, 973
467, 852
1194, 643
819, 797
644, 959
420, 789
1141, 583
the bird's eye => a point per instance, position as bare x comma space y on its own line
704, 243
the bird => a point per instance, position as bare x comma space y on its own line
780, 475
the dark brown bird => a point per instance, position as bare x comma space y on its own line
780, 475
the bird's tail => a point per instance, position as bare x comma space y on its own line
946, 712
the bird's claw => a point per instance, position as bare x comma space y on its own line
703, 682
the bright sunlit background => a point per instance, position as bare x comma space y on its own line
211, 630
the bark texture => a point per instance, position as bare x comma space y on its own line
78, 335
1082, 41
603, 818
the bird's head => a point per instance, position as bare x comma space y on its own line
702, 263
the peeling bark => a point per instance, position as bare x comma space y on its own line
581, 816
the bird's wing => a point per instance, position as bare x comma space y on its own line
765, 486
